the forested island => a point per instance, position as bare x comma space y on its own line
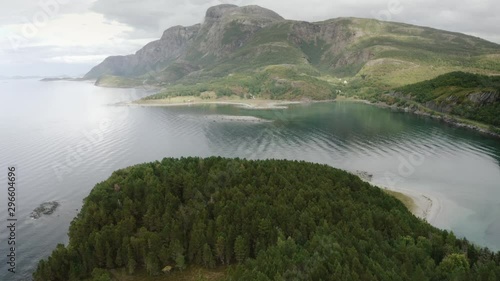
256, 220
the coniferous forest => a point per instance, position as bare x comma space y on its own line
267, 219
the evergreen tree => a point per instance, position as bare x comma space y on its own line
240, 249
208, 258
131, 263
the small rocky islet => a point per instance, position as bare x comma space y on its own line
46, 208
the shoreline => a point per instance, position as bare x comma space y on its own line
248, 104
235, 118
423, 206
443, 117
284, 104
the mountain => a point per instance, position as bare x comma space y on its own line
191, 218
226, 28
236, 39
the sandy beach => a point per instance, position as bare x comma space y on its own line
233, 118
424, 206
189, 101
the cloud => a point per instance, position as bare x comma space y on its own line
68, 30
92, 59
154, 16
468, 16
22, 11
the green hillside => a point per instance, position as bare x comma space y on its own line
279, 82
266, 220
458, 84
464, 95
355, 56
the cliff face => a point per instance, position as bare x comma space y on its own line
155, 54
484, 98
225, 28
228, 27
325, 44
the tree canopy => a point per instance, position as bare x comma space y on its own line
268, 219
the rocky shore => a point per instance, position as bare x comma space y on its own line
414, 109
447, 119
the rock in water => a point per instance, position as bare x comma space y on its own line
364, 175
46, 208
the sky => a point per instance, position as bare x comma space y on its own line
69, 37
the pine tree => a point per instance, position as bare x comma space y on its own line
419, 275
180, 262
131, 263
152, 264
100, 251
208, 258
109, 257
219, 248
240, 249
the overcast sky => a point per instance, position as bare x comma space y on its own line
55, 37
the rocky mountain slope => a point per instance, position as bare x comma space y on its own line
157, 53
236, 39
226, 27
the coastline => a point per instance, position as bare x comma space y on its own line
439, 116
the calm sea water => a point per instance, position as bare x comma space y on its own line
64, 137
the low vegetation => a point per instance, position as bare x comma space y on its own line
280, 82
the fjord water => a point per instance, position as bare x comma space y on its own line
64, 137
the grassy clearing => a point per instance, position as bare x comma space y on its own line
118, 82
